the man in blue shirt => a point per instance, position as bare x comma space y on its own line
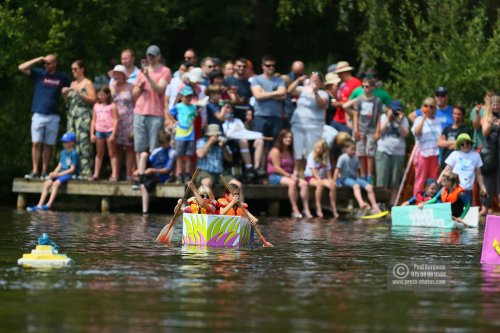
45, 120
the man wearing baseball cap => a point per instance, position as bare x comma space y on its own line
149, 111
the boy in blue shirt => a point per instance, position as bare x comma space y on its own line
161, 162
69, 163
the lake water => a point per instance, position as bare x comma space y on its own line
321, 275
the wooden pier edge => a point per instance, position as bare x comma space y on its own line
274, 195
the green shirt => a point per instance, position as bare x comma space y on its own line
478, 136
379, 92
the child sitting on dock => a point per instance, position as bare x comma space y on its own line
69, 164
203, 201
318, 172
230, 199
347, 171
430, 190
453, 193
161, 162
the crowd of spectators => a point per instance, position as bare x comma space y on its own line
296, 129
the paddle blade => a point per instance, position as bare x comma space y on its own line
266, 243
165, 235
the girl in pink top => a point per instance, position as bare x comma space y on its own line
280, 171
103, 130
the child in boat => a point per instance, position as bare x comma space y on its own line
318, 173
230, 199
203, 201
347, 171
453, 193
430, 190
69, 164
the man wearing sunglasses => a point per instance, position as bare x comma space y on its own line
240, 82
269, 92
207, 66
45, 120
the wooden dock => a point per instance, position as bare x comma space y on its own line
272, 195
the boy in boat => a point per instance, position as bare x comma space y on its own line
430, 190
69, 163
230, 199
203, 201
453, 193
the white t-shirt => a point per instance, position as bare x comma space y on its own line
391, 142
465, 165
427, 141
320, 167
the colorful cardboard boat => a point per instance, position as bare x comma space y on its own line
44, 256
432, 215
215, 230
491, 241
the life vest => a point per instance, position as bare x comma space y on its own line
222, 203
194, 208
421, 197
452, 196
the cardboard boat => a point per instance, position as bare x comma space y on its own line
432, 215
216, 230
44, 256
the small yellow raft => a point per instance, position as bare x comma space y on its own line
44, 256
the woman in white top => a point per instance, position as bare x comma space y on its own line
427, 130
309, 116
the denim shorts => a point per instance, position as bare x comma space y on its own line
275, 179
62, 179
350, 182
44, 128
184, 148
102, 135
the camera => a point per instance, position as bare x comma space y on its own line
395, 113
222, 139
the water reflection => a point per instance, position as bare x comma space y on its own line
322, 275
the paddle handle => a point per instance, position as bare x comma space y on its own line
262, 239
178, 207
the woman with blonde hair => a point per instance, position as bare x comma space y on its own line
490, 125
318, 173
427, 130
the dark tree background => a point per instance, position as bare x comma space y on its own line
415, 45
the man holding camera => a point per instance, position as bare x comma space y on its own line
210, 150
391, 147
45, 120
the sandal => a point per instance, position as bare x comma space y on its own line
297, 215
92, 179
113, 179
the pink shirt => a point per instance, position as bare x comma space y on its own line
286, 163
344, 93
104, 117
149, 103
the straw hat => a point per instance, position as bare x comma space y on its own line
343, 66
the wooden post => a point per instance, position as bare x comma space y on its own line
21, 201
105, 204
274, 208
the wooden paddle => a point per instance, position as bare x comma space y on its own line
262, 239
460, 221
166, 233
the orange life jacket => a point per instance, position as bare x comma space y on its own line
452, 196
194, 208
222, 202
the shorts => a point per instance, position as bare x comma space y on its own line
304, 138
62, 179
184, 148
389, 169
102, 135
275, 179
366, 147
44, 128
350, 182
150, 182
146, 129
214, 177
268, 126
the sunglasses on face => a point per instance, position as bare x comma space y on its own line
74, 69
367, 87
441, 95
429, 106
241, 66
270, 65
205, 196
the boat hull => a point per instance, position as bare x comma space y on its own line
432, 215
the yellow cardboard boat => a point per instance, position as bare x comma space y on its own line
44, 256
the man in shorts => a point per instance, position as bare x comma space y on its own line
45, 120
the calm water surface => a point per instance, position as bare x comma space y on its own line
321, 276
